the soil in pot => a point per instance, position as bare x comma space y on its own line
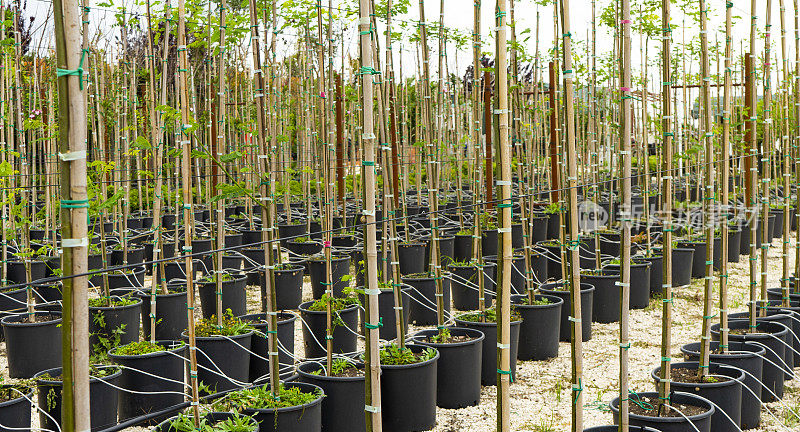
103, 396
697, 410
422, 310
234, 294
298, 407
458, 380
154, 372
464, 286
722, 387
259, 367
408, 387
223, 356
32, 347
345, 326
488, 327
343, 406
539, 331
587, 302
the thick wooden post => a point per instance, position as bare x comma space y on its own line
71, 59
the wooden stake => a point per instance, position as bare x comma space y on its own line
371, 356
74, 203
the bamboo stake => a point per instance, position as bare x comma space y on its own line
574, 279
707, 196
666, 255
786, 151
186, 168
74, 204
766, 159
726, 131
796, 129
504, 248
218, 144
371, 356
625, 212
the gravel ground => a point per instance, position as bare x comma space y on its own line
541, 397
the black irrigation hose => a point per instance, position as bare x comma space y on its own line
333, 230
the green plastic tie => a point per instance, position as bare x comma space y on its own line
76, 72
505, 372
371, 326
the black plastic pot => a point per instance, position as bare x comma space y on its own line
639, 285
340, 272
343, 406
539, 331
699, 260
776, 228
103, 399
234, 296
301, 418
605, 306
408, 394
553, 225
106, 321
464, 285
422, 310
612, 428
656, 273
458, 380
539, 228
120, 279
771, 336
155, 380
259, 366
746, 357
462, 247
538, 263
682, 260
304, 247
489, 349
171, 319
411, 257
15, 414
16, 274
785, 317
517, 272
344, 338
32, 347
726, 395
288, 286
46, 292
135, 255
700, 422
734, 244
15, 300
386, 304
553, 255
295, 229
223, 362
489, 242
587, 302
